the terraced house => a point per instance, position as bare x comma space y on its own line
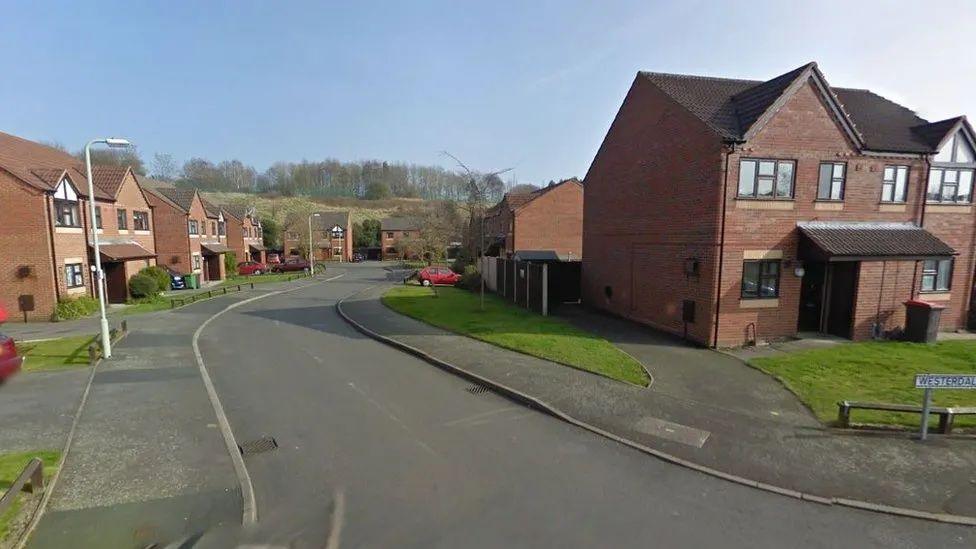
244, 234
548, 219
331, 236
733, 211
188, 237
46, 233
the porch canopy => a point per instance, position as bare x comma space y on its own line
112, 252
868, 241
213, 248
257, 247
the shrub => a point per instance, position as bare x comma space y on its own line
159, 274
230, 263
142, 285
459, 264
69, 308
470, 279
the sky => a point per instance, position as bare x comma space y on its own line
529, 85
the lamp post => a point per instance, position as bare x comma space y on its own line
115, 143
311, 264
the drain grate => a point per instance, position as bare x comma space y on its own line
478, 389
257, 446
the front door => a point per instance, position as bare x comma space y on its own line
812, 297
842, 279
116, 288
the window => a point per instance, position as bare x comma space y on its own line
832, 176
389, 235
74, 275
66, 213
193, 227
197, 262
769, 179
894, 186
221, 228
956, 151
213, 227
98, 217
950, 185
123, 219
760, 279
247, 232
140, 221
936, 275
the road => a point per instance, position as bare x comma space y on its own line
379, 449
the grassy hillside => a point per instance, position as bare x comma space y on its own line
281, 208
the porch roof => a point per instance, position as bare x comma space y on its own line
213, 248
122, 251
258, 247
855, 241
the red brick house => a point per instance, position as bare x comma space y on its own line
734, 211
550, 219
187, 238
395, 236
46, 232
244, 233
331, 236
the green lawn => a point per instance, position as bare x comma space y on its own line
11, 465
55, 354
515, 328
881, 372
161, 303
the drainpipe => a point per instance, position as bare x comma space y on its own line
923, 189
721, 242
54, 257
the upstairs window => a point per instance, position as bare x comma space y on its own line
123, 218
952, 186
832, 175
140, 221
193, 227
766, 179
221, 228
213, 228
66, 212
760, 279
894, 185
937, 275
98, 217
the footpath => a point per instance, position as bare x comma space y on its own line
709, 411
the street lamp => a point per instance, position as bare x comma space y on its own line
311, 264
115, 143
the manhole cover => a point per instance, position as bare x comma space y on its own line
257, 446
478, 389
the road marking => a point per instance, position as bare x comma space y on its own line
672, 431
393, 416
338, 518
480, 416
250, 509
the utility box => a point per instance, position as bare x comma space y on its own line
922, 321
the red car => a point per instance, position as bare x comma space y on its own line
273, 258
437, 275
10, 361
251, 268
290, 264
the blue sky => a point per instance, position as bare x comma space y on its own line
532, 85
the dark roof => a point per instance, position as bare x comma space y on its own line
731, 107
258, 247
213, 248
327, 220
514, 201
109, 178
211, 209
933, 134
122, 251
43, 167
238, 211
838, 240
541, 255
400, 224
182, 197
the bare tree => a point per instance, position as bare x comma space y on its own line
164, 167
478, 188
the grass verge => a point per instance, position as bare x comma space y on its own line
881, 371
11, 465
515, 328
55, 354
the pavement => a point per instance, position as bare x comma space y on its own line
712, 410
376, 448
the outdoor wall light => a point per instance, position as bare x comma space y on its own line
798, 271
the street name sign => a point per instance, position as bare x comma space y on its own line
945, 381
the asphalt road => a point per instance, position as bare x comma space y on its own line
379, 449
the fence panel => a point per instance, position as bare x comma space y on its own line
510, 279
564, 282
521, 271
535, 273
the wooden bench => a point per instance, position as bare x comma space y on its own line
946, 415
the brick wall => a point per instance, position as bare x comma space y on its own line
387, 241
652, 197
882, 289
170, 229
956, 226
25, 236
553, 221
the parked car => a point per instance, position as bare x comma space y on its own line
289, 265
437, 275
176, 281
273, 259
10, 361
245, 268
358, 257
